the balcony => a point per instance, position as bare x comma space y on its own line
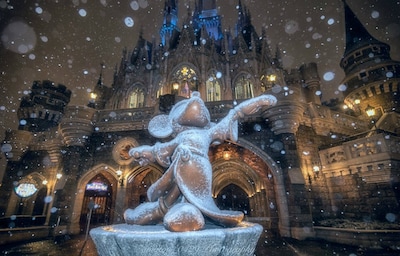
370, 156
112, 120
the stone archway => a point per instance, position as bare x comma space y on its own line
138, 181
109, 173
97, 201
258, 190
28, 205
258, 175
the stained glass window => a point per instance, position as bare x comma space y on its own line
25, 189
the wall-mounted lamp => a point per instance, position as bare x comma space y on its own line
271, 78
175, 86
120, 177
371, 112
316, 169
226, 154
58, 176
44, 182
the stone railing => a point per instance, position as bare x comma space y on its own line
122, 119
325, 120
138, 118
371, 156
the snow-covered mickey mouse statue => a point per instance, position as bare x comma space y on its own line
182, 197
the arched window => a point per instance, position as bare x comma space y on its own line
184, 81
213, 87
243, 88
136, 99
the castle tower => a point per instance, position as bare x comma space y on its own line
169, 29
371, 76
43, 108
207, 17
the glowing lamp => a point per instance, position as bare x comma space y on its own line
370, 111
226, 154
271, 78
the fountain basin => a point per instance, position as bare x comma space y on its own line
151, 240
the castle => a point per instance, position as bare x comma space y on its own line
295, 164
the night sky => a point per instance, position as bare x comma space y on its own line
66, 40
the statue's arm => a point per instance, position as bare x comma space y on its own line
160, 153
227, 127
253, 105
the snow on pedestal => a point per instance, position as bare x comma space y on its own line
155, 240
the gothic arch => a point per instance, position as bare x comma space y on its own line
213, 86
32, 178
136, 96
138, 181
183, 79
109, 173
279, 186
243, 85
234, 172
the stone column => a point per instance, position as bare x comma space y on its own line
301, 225
66, 194
76, 127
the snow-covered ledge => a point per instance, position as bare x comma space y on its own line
151, 240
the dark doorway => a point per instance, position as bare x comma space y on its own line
98, 198
232, 197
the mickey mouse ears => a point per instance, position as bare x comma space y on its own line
160, 126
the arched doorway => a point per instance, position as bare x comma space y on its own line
139, 182
98, 197
233, 198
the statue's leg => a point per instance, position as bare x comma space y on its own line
152, 212
184, 217
145, 214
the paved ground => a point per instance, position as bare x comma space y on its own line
78, 246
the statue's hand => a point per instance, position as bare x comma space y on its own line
251, 106
142, 154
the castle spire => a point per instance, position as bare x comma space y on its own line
207, 17
100, 81
170, 21
356, 34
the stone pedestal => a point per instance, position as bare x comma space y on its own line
152, 240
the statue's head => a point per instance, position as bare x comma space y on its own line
186, 114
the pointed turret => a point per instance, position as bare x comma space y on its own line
371, 76
169, 29
207, 17
356, 34
244, 27
358, 42
101, 93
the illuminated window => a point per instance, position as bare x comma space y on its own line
136, 99
269, 79
25, 189
243, 88
184, 82
213, 88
